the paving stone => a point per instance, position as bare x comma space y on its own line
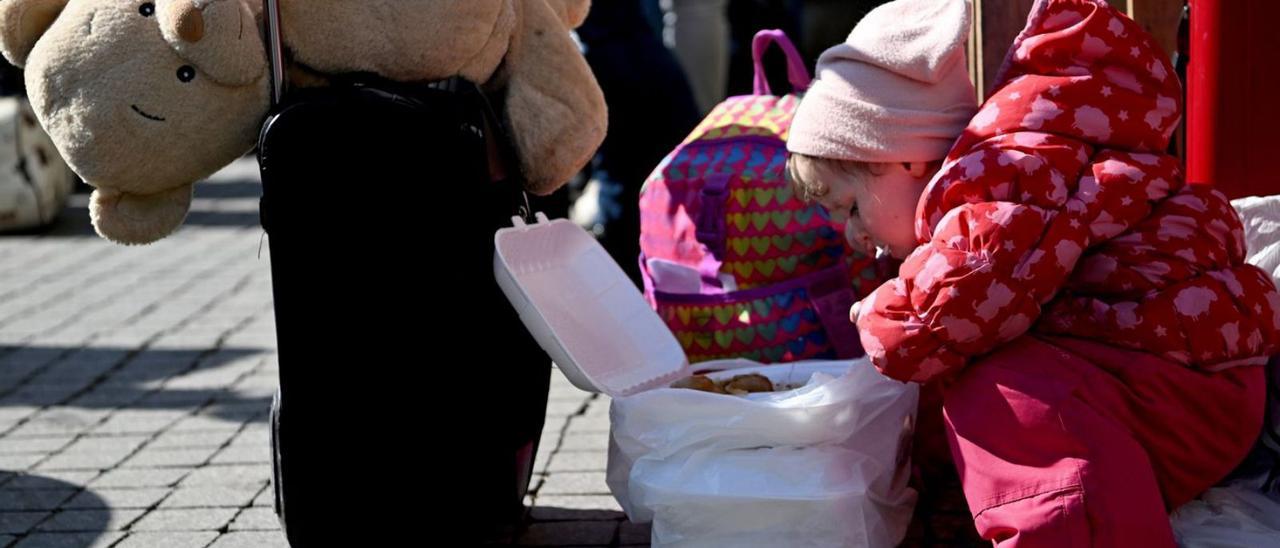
210, 497
251, 539
89, 521
140, 477
575, 483
168, 539
575, 507
116, 498
20, 522
256, 519
69, 540
22, 500
185, 519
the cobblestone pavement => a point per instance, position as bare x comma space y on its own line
135, 384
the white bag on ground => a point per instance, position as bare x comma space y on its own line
1236, 515
823, 465
1261, 218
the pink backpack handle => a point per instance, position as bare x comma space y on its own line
797, 73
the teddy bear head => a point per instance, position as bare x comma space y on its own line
142, 98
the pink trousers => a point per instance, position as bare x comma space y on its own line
1063, 442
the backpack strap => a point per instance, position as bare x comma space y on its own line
711, 226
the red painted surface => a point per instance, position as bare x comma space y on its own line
1233, 96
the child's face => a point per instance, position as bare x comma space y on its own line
878, 208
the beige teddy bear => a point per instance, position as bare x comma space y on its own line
144, 98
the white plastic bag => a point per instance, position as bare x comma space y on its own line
1261, 218
1236, 515
822, 465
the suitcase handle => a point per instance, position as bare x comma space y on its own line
275, 50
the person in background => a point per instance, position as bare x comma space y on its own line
651, 109
825, 23
712, 38
698, 32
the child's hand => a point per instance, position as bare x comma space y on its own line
853, 312
856, 234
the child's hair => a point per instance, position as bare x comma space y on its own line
808, 189
821, 170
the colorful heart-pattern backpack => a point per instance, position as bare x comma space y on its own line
734, 263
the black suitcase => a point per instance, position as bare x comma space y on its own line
380, 213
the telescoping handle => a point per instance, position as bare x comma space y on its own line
275, 50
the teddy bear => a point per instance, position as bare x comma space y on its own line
145, 97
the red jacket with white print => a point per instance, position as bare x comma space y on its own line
1057, 212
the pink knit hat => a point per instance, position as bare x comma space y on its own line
897, 90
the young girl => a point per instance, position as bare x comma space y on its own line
1088, 316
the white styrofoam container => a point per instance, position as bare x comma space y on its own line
584, 311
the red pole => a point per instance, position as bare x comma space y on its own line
1233, 96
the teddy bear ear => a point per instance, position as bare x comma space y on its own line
572, 12
22, 23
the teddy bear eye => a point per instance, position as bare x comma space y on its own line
186, 73
147, 9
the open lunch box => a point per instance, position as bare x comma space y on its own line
596, 325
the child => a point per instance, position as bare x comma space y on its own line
1088, 316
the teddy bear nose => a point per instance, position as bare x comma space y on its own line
217, 38
190, 23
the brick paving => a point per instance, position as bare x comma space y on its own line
135, 384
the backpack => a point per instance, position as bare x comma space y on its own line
733, 262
